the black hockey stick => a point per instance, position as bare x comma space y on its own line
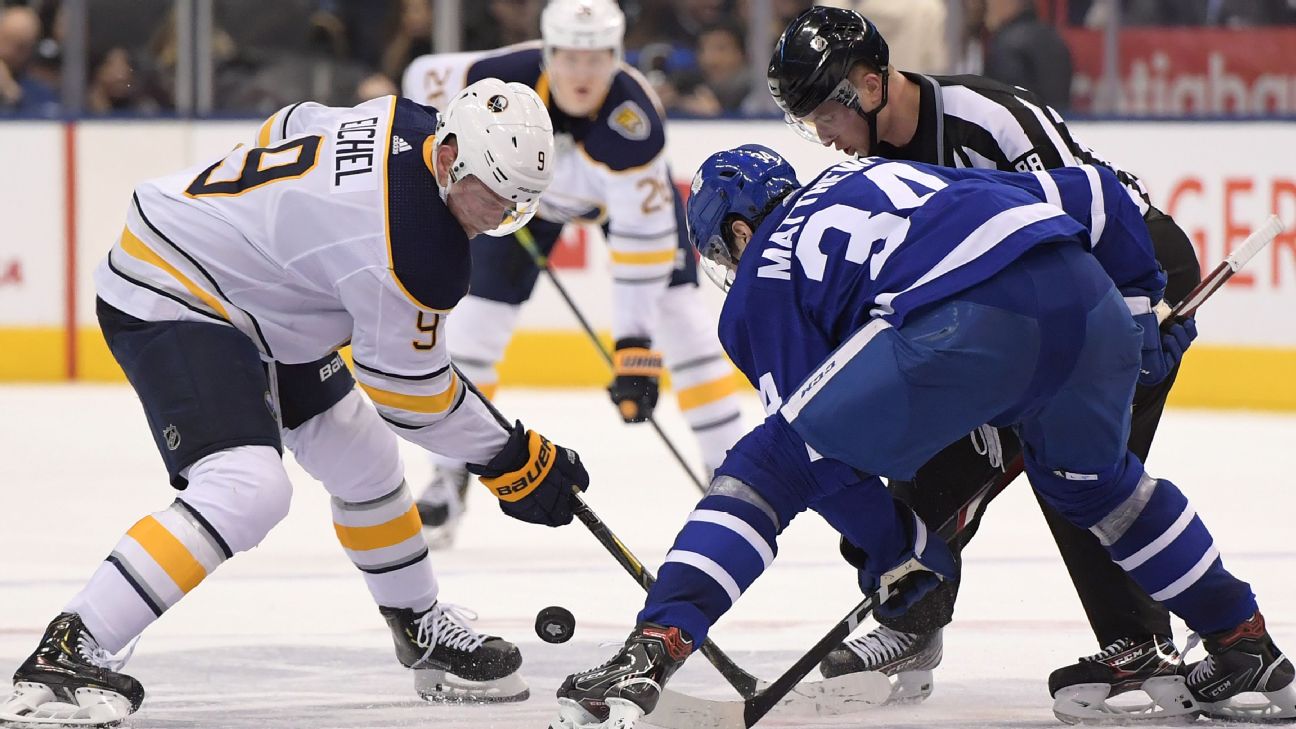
756, 707
541, 261
1254, 243
743, 682
724, 715
861, 689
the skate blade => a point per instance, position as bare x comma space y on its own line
1168, 702
440, 687
34, 705
622, 714
910, 687
1257, 707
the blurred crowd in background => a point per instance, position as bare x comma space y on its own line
698, 54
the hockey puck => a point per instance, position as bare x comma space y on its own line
555, 624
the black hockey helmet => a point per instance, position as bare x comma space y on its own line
815, 54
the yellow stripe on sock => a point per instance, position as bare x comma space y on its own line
169, 552
707, 392
135, 247
387, 534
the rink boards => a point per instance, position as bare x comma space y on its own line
65, 188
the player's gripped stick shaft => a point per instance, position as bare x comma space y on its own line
744, 683
1254, 243
527, 242
759, 705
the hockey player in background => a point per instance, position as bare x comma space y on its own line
886, 308
610, 170
831, 74
224, 300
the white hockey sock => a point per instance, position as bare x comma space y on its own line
384, 539
233, 499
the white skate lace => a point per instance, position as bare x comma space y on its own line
90, 650
447, 625
1203, 669
1120, 646
881, 645
988, 445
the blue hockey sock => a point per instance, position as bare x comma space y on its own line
725, 545
1156, 536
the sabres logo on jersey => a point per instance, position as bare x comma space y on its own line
497, 103
630, 121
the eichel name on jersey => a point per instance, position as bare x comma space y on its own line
985, 124
329, 230
611, 168
355, 142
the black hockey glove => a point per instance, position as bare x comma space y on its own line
638, 369
925, 550
533, 478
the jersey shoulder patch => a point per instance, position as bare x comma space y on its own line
630, 121
427, 248
521, 65
628, 132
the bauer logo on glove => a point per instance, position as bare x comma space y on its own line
515, 485
533, 478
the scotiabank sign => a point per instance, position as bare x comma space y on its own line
1175, 72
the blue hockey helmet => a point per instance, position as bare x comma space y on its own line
743, 183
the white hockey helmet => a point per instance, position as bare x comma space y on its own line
583, 25
505, 139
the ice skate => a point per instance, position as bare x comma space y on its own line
907, 658
1153, 666
70, 681
618, 693
1245, 678
441, 505
451, 661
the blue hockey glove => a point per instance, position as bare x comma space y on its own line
533, 478
925, 555
1162, 349
637, 368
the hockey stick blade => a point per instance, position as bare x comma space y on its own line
1236, 260
831, 697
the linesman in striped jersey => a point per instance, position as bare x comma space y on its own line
831, 75
224, 301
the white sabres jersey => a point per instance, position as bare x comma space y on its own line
327, 229
611, 169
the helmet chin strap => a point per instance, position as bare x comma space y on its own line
870, 117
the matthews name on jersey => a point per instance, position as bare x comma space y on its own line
871, 241
611, 169
327, 229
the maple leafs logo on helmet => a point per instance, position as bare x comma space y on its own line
497, 103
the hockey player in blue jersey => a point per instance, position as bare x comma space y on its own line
885, 309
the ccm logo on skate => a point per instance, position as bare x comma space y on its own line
516, 485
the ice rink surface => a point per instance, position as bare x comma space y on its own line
286, 635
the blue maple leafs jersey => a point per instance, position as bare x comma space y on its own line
881, 239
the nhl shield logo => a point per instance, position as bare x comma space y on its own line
497, 103
172, 436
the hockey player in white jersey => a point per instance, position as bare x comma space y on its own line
610, 170
225, 299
